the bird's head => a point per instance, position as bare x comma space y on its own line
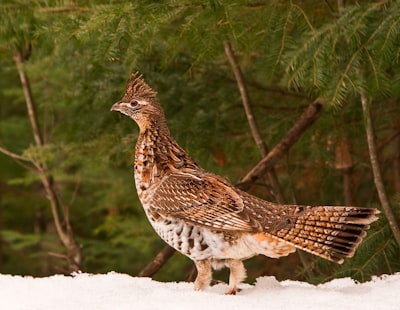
140, 102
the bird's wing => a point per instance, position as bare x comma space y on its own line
201, 199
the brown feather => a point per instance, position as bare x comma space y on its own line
206, 218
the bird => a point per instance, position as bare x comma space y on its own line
203, 216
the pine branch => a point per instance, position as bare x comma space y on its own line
276, 89
66, 9
262, 147
352, 62
357, 36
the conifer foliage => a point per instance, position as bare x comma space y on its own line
77, 56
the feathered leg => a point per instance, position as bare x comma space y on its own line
237, 275
204, 274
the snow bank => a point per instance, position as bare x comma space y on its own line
120, 291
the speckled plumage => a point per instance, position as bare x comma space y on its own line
206, 218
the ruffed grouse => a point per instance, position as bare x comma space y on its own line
206, 218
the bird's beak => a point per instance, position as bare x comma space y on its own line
116, 106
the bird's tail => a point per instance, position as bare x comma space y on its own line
329, 232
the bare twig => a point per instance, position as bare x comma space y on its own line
65, 234
19, 159
18, 59
373, 154
245, 99
255, 131
13, 155
155, 265
396, 163
305, 121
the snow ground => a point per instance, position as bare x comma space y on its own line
120, 291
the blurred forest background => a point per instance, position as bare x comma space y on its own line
67, 196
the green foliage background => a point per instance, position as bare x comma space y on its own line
291, 52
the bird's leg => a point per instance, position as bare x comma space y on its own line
204, 274
237, 275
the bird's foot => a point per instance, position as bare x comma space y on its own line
232, 291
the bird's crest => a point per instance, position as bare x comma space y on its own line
137, 88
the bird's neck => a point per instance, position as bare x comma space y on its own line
158, 154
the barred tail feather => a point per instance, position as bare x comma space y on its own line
329, 232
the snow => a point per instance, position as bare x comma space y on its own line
120, 291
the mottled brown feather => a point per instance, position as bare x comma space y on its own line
137, 88
201, 200
208, 219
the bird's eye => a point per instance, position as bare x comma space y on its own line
134, 103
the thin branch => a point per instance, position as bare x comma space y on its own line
156, 264
13, 155
20, 159
255, 131
19, 58
309, 116
329, 6
370, 132
396, 163
65, 235
245, 99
